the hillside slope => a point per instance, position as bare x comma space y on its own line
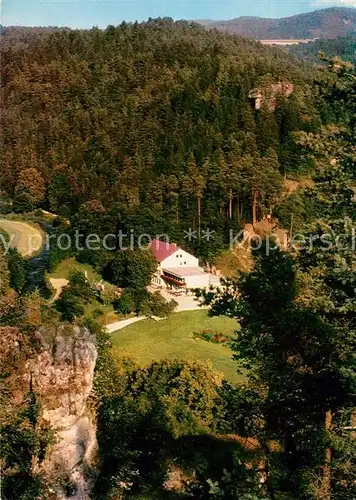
103, 109
344, 47
324, 23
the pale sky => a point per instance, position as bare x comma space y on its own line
88, 13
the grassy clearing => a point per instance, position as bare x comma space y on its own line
64, 269
148, 340
108, 314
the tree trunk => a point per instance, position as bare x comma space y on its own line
254, 207
199, 214
325, 490
230, 204
291, 228
268, 482
238, 208
177, 205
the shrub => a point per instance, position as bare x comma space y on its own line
109, 294
80, 286
97, 313
68, 487
96, 258
125, 304
59, 221
69, 305
211, 336
131, 268
17, 268
156, 305
138, 428
56, 256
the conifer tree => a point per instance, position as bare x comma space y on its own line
193, 184
30, 189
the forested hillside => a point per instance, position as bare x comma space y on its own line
151, 116
323, 23
344, 46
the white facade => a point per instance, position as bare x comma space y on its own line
156, 278
197, 281
177, 269
180, 258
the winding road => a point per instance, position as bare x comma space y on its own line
27, 239
119, 325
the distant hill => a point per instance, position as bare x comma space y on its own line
344, 47
18, 37
324, 23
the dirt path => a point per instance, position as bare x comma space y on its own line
58, 284
27, 239
185, 303
119, 325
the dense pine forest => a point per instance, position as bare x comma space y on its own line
152, 120
343, 46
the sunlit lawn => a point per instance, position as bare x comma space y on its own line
149, 340
64, 269
108, 315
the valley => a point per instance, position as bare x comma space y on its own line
177, 264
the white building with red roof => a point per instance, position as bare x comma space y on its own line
177, 268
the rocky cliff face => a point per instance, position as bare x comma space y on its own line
269, 95
61, 378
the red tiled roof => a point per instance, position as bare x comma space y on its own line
162, 250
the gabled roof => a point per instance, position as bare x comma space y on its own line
161, 249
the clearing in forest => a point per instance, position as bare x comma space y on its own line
175, 338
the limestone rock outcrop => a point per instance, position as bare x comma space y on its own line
59, 372
62, 379
269, 94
